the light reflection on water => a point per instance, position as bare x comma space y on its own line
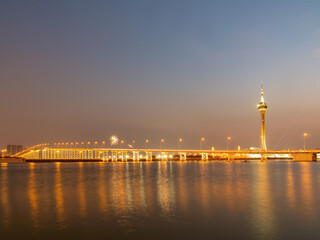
59, 198
5, 195
273, 200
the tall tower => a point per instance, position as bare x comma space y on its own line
262, 106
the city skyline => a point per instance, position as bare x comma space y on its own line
159, 71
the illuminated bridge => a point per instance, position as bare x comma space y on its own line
44, 152
72, 152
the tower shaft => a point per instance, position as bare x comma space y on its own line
263, 131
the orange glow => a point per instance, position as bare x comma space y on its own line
4, 194
33, 196
82, 195
59, 197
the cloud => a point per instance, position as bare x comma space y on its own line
316, 52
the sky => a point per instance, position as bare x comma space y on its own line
85, 70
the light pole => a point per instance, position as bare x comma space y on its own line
304, 141
201, 140
228, 140
180, 142
133, 141
146, 143
121, 143
162, 142
88, 144
103, 142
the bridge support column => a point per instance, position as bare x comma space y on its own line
123, 156
183, 157
105, 156
90, 154
135, 156
204, 156
264, 157
230, 157
114, 156
164, 156
148, 156
97, 154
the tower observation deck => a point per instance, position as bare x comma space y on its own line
262, 106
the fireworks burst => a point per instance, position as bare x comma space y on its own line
114, 140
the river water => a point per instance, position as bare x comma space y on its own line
160, 200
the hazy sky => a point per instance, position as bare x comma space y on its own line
84, 70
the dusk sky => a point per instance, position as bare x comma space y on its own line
84, 70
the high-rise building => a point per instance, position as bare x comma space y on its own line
13, 149
262, 106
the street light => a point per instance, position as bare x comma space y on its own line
146, 143
228, 140
133, 141
304, 141
201, 140
114, 140
180, 141
162, 142
121, 143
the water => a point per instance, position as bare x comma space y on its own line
172, 200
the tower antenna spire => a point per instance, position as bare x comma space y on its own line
262, 98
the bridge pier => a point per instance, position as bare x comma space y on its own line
90, 154
148, 156
264, 157
83, 154
105, 156
114, 156
135, 156
164, 156
97, 154
123, 156
230, 157
183, 157
204, 156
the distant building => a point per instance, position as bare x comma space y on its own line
13, 149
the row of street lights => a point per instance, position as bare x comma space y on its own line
115, 142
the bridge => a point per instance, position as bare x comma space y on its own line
44, 152
72, 152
